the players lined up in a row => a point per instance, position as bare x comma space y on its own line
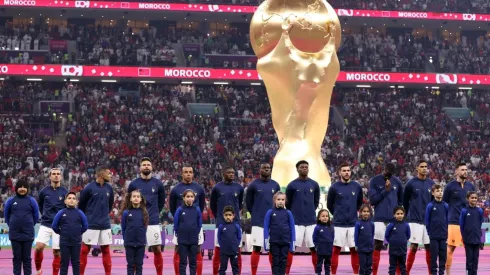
302, 199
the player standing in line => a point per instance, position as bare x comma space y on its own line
154, 193
302, 199
416, 196
385, 193
225, 193
258, 201
455, 197
51, 200
176, 201
96, 201
343, 201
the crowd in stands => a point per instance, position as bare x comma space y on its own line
119, 125
467, 6
95, 45
369, 51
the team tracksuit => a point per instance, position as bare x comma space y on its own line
134, 235
455, 196
51, 201
384, 202
21, 215
154, 193
96, 202
397, 235
436, 222
279, 237
344, 201
224, 194
302, 198
416, 196
470, 223
187, 225
364, 239
323, 237
176, 200
259, 199
70, 224
229, 238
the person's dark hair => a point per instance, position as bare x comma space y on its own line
71, 193
460, 164
228, 168
101, 169
398, 207
421, 161
185, 193
342, 165
145, 159
436, 186
301, 162
468, 195
229, 208
128, 205
368, 207
21, 183
320, 213
390, 167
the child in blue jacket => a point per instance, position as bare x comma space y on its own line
279, 234
436, 222
397, 235
70, 223
21, 214
229, 238
364, 240
470, 222
187, 225
134, 221
323, 237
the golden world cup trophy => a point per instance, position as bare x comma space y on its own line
296, 44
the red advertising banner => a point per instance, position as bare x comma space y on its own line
108, 72
58, 45
235, 9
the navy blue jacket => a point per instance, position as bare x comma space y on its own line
455, 197
416, 195
154, 194
21, 214
279, 228
364, 236
229, 238
50, 202
187, 225
323, 237
176, 196
96, 202
344, 201
436, 220
302, 198
470, 224
258, 199
397, 235
133, 227
70, 224
384, 202
224, 194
